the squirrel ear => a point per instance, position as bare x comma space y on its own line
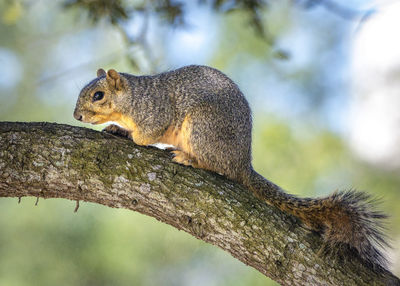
101, 72
114, 79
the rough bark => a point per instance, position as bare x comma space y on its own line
60, 161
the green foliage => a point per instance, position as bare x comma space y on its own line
12, 13
113, 11
253, 8
119, 10
171, 11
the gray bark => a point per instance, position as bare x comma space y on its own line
60, 161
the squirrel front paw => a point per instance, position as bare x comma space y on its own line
183, 158
116, 130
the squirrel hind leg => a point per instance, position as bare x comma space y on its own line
219, 141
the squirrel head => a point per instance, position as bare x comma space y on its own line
96, 101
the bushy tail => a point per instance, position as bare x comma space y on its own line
345, 219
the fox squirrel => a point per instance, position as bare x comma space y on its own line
202, 112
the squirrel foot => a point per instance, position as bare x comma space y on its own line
116, 130
183, 158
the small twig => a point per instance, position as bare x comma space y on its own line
76, 206
19, 200
37, 200
140, 41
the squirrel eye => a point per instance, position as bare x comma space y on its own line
98, 95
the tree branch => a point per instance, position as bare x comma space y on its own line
61, 161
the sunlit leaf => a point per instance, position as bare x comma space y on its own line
12, 13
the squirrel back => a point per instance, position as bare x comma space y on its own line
203, 113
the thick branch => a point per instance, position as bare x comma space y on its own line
60, 161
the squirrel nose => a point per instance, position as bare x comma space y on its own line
78, 116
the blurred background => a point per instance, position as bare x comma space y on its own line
322, 78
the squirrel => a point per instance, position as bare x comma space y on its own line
205, 116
